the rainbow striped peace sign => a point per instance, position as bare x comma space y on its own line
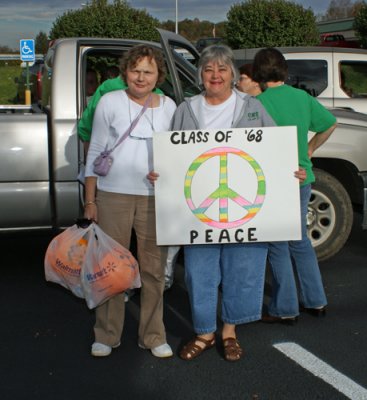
224, 193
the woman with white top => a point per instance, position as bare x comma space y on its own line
124, 199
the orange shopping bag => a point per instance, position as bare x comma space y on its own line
91, 264
109, 269
65, 256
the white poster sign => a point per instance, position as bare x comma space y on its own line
227, 186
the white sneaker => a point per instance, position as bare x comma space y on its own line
102, 350
162, 351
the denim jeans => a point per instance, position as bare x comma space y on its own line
239, 268
284, 300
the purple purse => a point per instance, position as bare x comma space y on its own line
103, 162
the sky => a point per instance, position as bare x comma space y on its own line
24, 19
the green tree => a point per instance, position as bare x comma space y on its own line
270, 23
41, 43
100, 19
360, 24
339, 9
7, 50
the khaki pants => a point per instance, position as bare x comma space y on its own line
118, 214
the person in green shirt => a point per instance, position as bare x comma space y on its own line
86, 122
290, 106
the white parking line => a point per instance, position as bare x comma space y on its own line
322, 370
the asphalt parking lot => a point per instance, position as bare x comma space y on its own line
47, 333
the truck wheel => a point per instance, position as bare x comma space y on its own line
330, 215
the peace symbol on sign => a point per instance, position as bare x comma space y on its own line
224, 193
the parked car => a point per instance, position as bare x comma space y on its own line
204, 42
340, 167
337, 40
35, 83
185, 54
338, 78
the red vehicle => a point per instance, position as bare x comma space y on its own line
337, 40
35, 81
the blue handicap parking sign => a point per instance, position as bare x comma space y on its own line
27, 52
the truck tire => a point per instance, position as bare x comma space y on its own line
330, 215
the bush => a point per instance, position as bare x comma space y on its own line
270, 23
360, 25
100, 19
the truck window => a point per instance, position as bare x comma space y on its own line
46, 77
189, 87
353, 78
101, 60
309, 75
97, 66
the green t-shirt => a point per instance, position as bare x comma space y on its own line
289, 106
86, 121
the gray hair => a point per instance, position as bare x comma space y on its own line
217, 53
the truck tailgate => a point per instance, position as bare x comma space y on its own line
24, 176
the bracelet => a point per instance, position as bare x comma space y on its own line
89, 203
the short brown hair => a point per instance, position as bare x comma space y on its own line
270, 66
136, 53
246, 69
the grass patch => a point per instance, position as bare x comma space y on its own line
8, 87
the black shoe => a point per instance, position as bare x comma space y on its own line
316, 312
270, 319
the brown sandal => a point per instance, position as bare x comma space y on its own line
192, 350
232, 349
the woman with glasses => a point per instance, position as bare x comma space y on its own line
123, 200
245, 82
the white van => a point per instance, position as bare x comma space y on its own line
336, 76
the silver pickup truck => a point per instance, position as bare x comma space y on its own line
40, 154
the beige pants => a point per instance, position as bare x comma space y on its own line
118, 214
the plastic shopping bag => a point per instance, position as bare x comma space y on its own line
169, 271
109, 269
90, 264
65, 257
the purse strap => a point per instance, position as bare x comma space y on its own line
132, 125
